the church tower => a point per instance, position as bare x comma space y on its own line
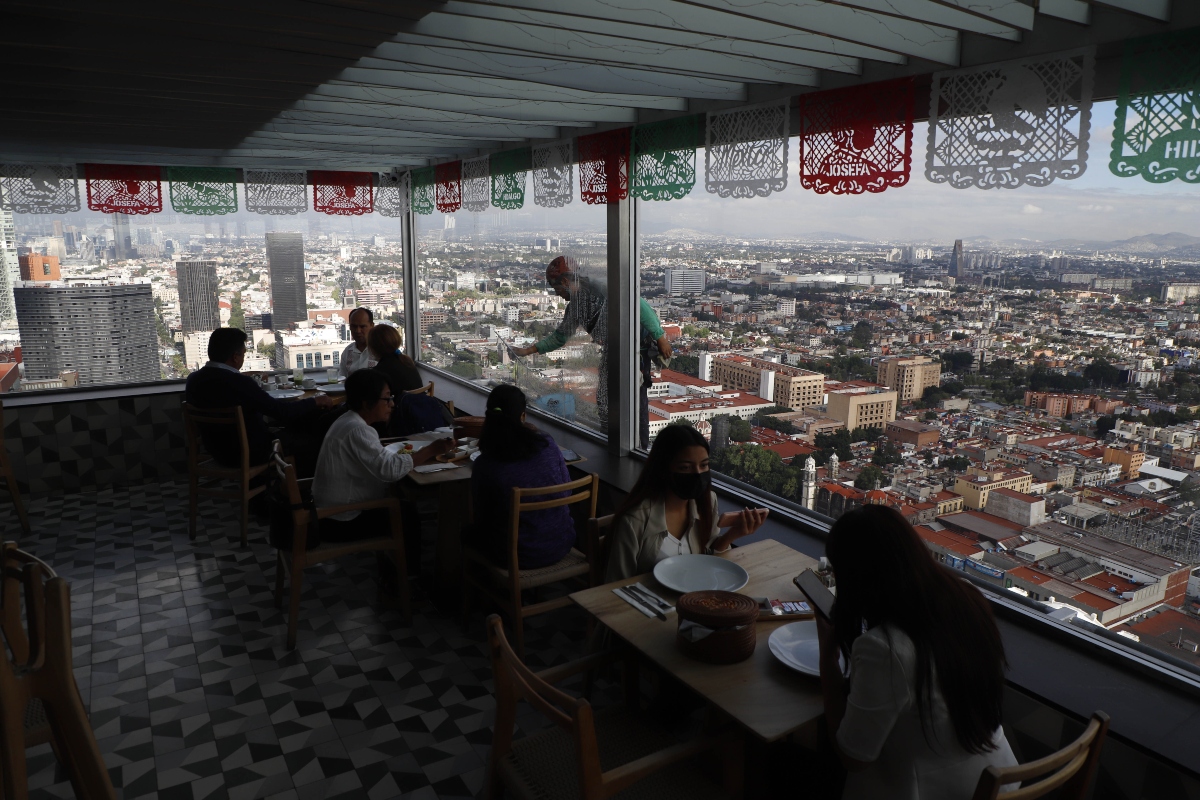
809, 484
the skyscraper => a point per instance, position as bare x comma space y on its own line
198, 309
9, 269
285, 259
105, 331
122, 244
684, 281
958, 266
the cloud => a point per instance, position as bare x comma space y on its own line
1030, 208
1094, 207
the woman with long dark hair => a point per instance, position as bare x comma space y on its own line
512, 454
672, 509
383, 344
922, 714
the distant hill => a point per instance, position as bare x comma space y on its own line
1165, 241
834, 236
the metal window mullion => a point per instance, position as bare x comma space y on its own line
412, 302
622, 341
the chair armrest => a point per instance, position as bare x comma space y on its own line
624, 776
385, 502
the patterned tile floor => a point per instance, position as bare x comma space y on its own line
179, 654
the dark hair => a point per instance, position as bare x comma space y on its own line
505, 437
652, 483
384, 342
364, 388
224, 343
886, 575
365, 310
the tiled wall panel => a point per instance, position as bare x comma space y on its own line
89, 444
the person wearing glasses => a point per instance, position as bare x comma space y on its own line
354, 466
587, 308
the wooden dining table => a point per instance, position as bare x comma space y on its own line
765, 697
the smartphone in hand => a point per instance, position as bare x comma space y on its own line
818, 594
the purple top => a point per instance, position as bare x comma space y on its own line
544, 537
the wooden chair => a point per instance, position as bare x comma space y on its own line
428, 390
1073, 768
592, 755
39, 698
10, 480
598, 545
228, 422
303, 514
505, 584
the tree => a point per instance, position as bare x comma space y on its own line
757, 466
886, 453
267, 350
869, 476
467, 369
1101, 373
688, 365
237, 317
861, 337
739, 430
958, 360
936, 328
958, 336
930, 415
687, 423
957, 463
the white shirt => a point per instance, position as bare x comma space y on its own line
674, 547
882, 726
353, 466
354, 359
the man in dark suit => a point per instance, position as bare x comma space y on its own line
220, 384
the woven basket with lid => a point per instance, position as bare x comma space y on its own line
732, 618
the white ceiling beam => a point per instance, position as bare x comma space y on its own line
371, 136
334, 142
948, 15
567, 74
1154, 9
916, 39
773, 43
475, 86
1010, 12
327, 128
1075, 11
412, 113
531, 40
510, 131
498, 108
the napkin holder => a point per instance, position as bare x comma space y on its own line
717, 627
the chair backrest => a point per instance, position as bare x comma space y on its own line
589, 487
514, 682
598, 545
51, 680
25, 633
288, 492
426, 389
218, 421
418, 412
1071, 768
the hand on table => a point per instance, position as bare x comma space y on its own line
431, 451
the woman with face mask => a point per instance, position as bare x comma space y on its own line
672, 509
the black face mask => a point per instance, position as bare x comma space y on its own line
689, 485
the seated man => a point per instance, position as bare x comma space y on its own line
220, 384
354, 466
357, 356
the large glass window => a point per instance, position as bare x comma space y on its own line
105, 299
1014, 370
485, 302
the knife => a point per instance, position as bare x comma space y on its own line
639, 602
645, 594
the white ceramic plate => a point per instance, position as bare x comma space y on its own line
796, 645
475, 455
331, 388
285, 394
696, 572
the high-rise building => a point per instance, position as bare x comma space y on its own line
910, 376
285, 258
39, 268
863, 406
684, 281
122, 243
198, 304
958, 267
105, 332
9, 269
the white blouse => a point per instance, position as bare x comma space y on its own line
674, 547
882, 726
